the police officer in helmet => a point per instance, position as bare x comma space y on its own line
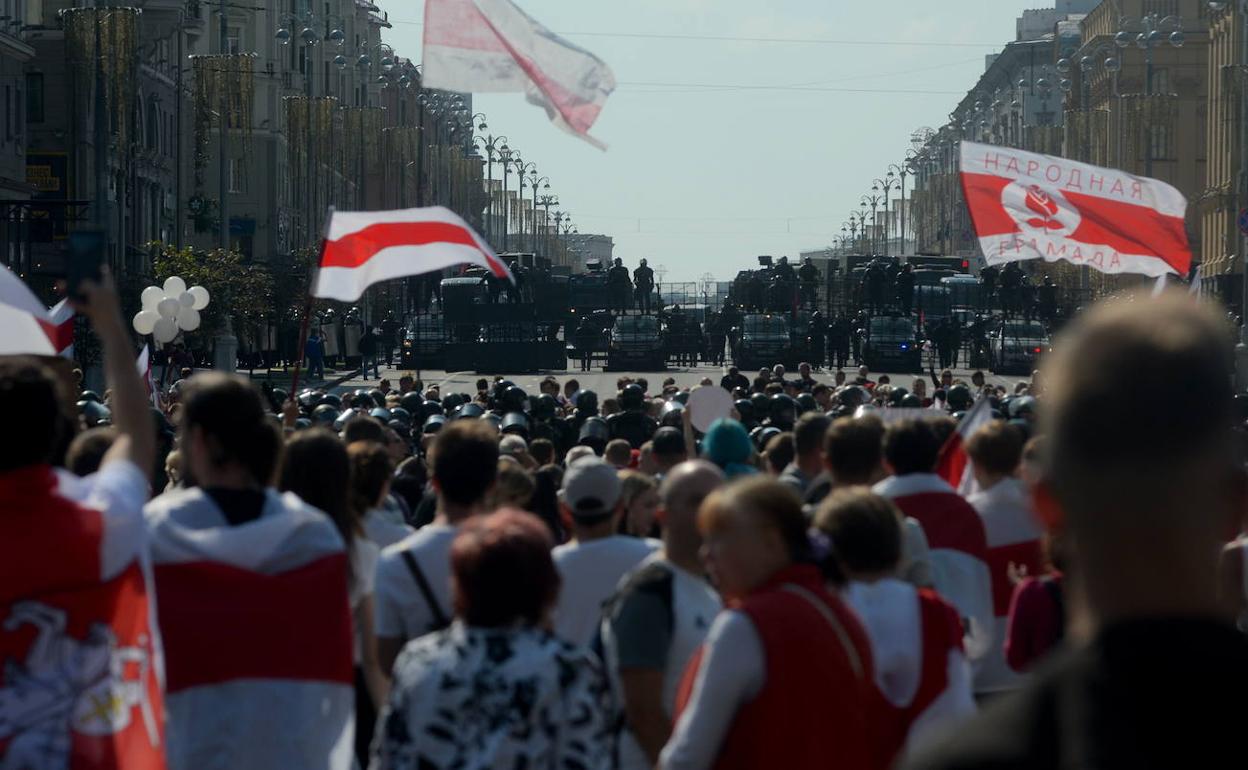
632, 424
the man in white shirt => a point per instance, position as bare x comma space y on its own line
413, 591
593, 563
660, 617
1013, 536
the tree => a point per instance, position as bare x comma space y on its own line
239, 289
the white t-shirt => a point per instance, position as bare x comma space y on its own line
364, 556
383, 530
399, 607
591, 572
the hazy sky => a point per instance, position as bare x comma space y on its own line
721, 150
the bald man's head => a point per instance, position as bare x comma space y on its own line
683, 490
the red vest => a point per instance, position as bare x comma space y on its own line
819, 705
942, 631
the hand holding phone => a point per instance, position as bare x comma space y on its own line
87, 247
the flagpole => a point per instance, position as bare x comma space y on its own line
307, 307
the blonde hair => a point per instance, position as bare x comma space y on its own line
633, 485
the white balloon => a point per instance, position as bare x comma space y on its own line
201, 297
186, 299
145, 321
165, 330
151, 297
174, 286
188, 319
168, 307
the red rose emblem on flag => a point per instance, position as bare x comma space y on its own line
1043, 204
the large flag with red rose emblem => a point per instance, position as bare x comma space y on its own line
483, 46
364, 247
80, 656
1030, 206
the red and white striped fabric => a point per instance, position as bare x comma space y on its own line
257, 632
364, 247
491, 46
80, 658
954, 464
1013, 538
959, 549
25, 326
61, 315
144, 365
1030, 206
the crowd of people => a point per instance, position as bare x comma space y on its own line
852, 573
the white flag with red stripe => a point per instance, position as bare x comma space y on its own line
954, 465
364, 247
25, 326
491, 46
80, 660
256, 623
62, 317
1030, 206
144, 365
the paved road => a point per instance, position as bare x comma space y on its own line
604, 382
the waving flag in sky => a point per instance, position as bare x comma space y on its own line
364, 247
1029, 206
491, 46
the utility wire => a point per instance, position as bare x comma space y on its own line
783, 40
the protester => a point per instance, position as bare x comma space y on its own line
593, 562
659, 618
413, 575
785, 679
954, 531
1155, 677
618, 453
808, 446
728, 446
1037, 612
88, 449
513, 487
916, 636
495, 689
371, 472
1013, 534
318, 469
72, 559
668, 450
778, 453
230, 554
639, 499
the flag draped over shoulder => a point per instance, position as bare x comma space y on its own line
256, 623
485, 46
364, 247
1030, 206
80, 659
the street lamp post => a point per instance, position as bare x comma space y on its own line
492, 145
542, 183
902, 170
547, 201
874, 202
884, 186
510, 159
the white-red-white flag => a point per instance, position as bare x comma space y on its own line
364, 247
954, 465
61, 316
486, 46
144, 365
25, 326
1030, 206
256, 623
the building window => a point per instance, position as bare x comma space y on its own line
234, 40
238, 178
34, 97
1161, 142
